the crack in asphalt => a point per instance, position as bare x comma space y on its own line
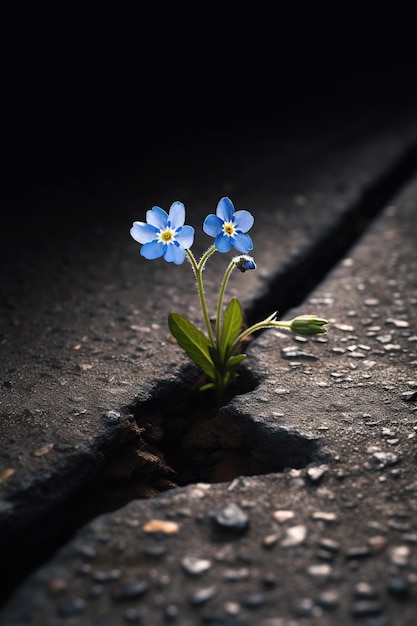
286, 290
290, 287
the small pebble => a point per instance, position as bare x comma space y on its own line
132, 591
378, 543
294, 536
293, 352
365, 608
400, 555
409, 396
329, 544
171, 612
194, 566
232, 608
397, 586
253, 600
107, 577
236, 575
305, 607
88, 552
270, 540
111, 416
320, 570
315, 474
359, 552
388, 432
385, 459
363, 590
161, 526
231, 517
283, 515
324, 516
269, 580
325, 555
72, 607
201, 596
328, 600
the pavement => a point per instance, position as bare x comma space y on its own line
126, 496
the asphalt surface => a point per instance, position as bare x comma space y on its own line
125, 497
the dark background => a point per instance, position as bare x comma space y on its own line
76, 107
83, 97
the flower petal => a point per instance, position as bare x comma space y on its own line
185, 236
223, 243
225, 209
157, 217
212, 225
243, 221
143, 233
174, 254
177, 215
242, 242
152, 250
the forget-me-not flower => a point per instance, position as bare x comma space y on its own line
229, 228
164, 235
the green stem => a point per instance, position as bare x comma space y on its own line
258, 326
226, 277
205, 256
198, 268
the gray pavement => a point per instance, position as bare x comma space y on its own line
297, 502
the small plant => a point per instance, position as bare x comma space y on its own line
218, 352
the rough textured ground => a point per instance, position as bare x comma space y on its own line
296, 502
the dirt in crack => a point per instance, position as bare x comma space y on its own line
176, 438
183, 438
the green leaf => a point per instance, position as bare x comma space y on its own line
193, 341
236, 360
216, 358
207, 387
232, 325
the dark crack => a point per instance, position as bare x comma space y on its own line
291, 287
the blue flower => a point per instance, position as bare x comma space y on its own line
229, 228
164, 235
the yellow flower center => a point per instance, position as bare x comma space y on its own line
166, 236
229, 229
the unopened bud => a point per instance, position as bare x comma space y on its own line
244, 262
308, 325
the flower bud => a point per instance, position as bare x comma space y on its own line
308, 325
244, 262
